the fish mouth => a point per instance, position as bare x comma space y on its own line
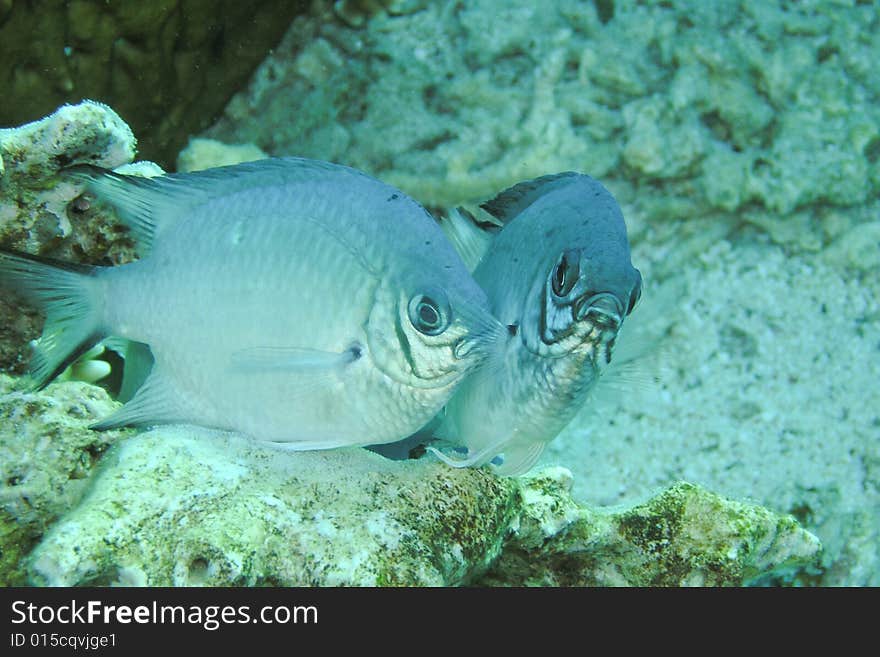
591, 321
603, 310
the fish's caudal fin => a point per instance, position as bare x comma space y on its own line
69, 295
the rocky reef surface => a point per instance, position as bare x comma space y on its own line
188, 506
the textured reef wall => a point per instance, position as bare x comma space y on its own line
763, 106
166, 66
743, 140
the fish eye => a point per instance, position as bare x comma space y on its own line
565, 274
429, 314
635, 295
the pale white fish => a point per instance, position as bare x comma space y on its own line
553, 256
292, 300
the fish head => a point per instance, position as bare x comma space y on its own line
582, 284
582, 303
430, 336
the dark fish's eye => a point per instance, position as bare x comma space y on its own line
429, 314
635, 295
565, 274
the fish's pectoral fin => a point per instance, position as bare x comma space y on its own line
155, 402
520, 459
303, 373
293, 359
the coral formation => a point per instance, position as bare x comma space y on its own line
207, 153
684, 536
47, 454
168, 67
36, 214
235, 513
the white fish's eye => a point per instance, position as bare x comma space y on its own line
430, 313
565, 274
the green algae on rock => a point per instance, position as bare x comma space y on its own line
47, 454
684, 536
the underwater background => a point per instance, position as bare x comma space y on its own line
741, 139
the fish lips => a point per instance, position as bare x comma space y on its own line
600, 313
604, 310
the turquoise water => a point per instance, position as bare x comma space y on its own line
742, 140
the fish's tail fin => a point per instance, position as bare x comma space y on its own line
69, 295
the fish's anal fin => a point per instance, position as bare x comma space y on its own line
451, 462
517, 460
311, 445
155, 402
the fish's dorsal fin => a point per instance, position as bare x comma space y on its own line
470, 238
143, 204
513, 200
149, 205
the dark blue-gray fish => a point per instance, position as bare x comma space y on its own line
296, 301
554, 259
